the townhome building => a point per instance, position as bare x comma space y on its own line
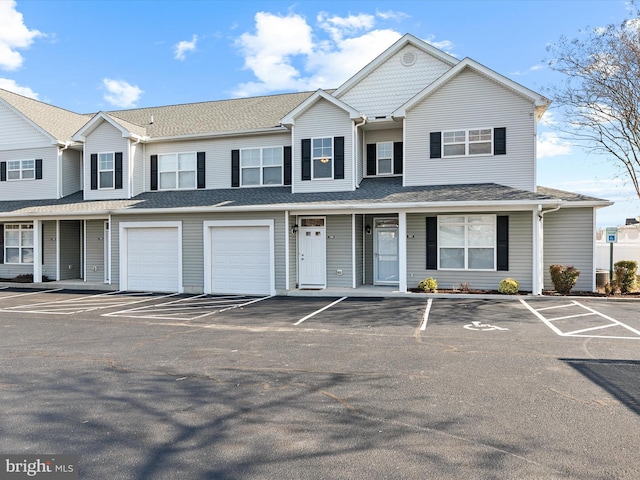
421, 165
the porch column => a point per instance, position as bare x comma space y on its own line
537, 255
37, 251
402, 251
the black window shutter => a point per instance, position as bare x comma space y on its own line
432, 243
3, 171
235, 168
306, 159
503, 243
338, 158
287, 165
500, 141
38, 169
435, 145
200, 169
118, 170
94, 171
154, 173
2, 242
371, 159
397, 158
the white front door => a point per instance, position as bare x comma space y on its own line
385, 251
312, 255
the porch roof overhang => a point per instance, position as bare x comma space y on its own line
374, 195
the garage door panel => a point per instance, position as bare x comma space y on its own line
153, 259
241, 260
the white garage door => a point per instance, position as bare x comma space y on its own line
240, 260
152, 259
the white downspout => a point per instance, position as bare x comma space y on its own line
354, 151
538, 247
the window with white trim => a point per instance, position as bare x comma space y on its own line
322, 157
21, 170
177, 171
106, 170
467, 142
384, 158
18, 243
467, 242
261, 166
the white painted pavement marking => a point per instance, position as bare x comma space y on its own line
425, 315
581, 332
23, 294
484, 327
85, 303
319, 311
187, 308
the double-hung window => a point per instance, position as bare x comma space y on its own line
18, 243
261, 166
384, 156
322, 157
21, 170
467, 242
467, 142
177, 171
106, 170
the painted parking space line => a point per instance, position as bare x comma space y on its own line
87, 303
24, 294
549, 316
188, 309
320, 310
425, 315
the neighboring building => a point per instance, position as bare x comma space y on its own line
420, 165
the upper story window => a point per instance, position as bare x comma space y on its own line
18, 243
21, 170
385, 158
467, 242
322, 157
261, 166
467, 142
177, 171
106, 170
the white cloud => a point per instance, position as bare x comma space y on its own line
12, 86
120, 93
184, 46
548, 119
13, 35
285, 53
551, 145
392, 15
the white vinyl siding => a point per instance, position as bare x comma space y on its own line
95, 243
569, 239
71, 171
339, 252
470, 101
217, 152
323, 119
17, 133
520, 253
49, 249
392, 84
70, 249
138, 168
105, 138
32, 189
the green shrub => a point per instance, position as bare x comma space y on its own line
509, 286
428, 285
625, 275
563, 278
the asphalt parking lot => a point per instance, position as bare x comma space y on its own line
150, 386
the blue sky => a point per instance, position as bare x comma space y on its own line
96, 55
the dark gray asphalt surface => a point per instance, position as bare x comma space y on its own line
357, 391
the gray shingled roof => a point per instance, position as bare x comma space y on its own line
58, 122
372, 192
221, 116
567, 196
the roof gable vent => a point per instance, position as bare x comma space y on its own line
408, 58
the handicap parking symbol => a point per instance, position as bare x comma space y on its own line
479, 326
